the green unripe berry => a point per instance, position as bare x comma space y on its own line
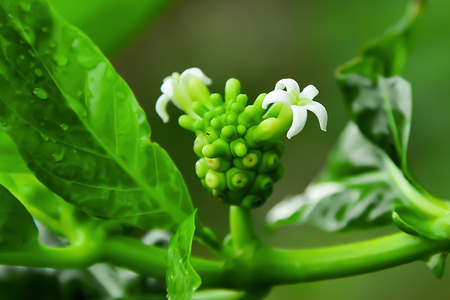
239, 152
239, 180
201, 168
216, 181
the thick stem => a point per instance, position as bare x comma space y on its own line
294, 266
241, 227
150, 261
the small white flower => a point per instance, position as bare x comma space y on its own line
300, 103
175, 89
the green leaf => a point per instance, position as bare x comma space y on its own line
181, 278
353, 191
378, 100
10, 159
415, 222
17, 229
382, 111
437, 264
110, 24
77, 124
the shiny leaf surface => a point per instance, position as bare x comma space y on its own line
353, 192
10, 159
110, 24
17, 229
77, 124
181, 278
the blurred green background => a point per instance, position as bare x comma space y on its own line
262, 41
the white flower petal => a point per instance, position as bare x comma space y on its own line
321, 113
276, 96
298, 121
188, 74
161, 107
167, 88
309, 92
288, 83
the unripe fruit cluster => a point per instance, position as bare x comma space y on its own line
238, 150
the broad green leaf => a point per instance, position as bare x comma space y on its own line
10, 159
378, 100
353, 191
181, 278
77, 124
17, 229
110, 23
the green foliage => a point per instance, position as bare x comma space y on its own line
77, 124
353, 191
239, 146
17, 229
181, 278
381, 106
10, 159
110, 24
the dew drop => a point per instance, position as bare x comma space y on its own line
42, 124
74, 151
52, 44
25, 6
120, 95
110, 75
64, 126
60, 59
21, 41
38, 72
31, 53
44, 137
53, 140
22, 57
40, 93
87, 61
58, 156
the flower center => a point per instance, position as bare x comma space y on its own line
298, 99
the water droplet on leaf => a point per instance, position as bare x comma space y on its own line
52, 44
38, 72
120, 95
60, 59
58, 156
40, 93
44, 137
64, 126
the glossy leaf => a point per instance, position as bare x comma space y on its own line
181, 278
110, 24
415, 222
353, 192
17, 229
78, 125
378, 100
10, 159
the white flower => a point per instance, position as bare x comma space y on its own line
300, 103
175, 89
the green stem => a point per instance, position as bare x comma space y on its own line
77, 257
276, 267
150, 261
432, 207
241, 227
